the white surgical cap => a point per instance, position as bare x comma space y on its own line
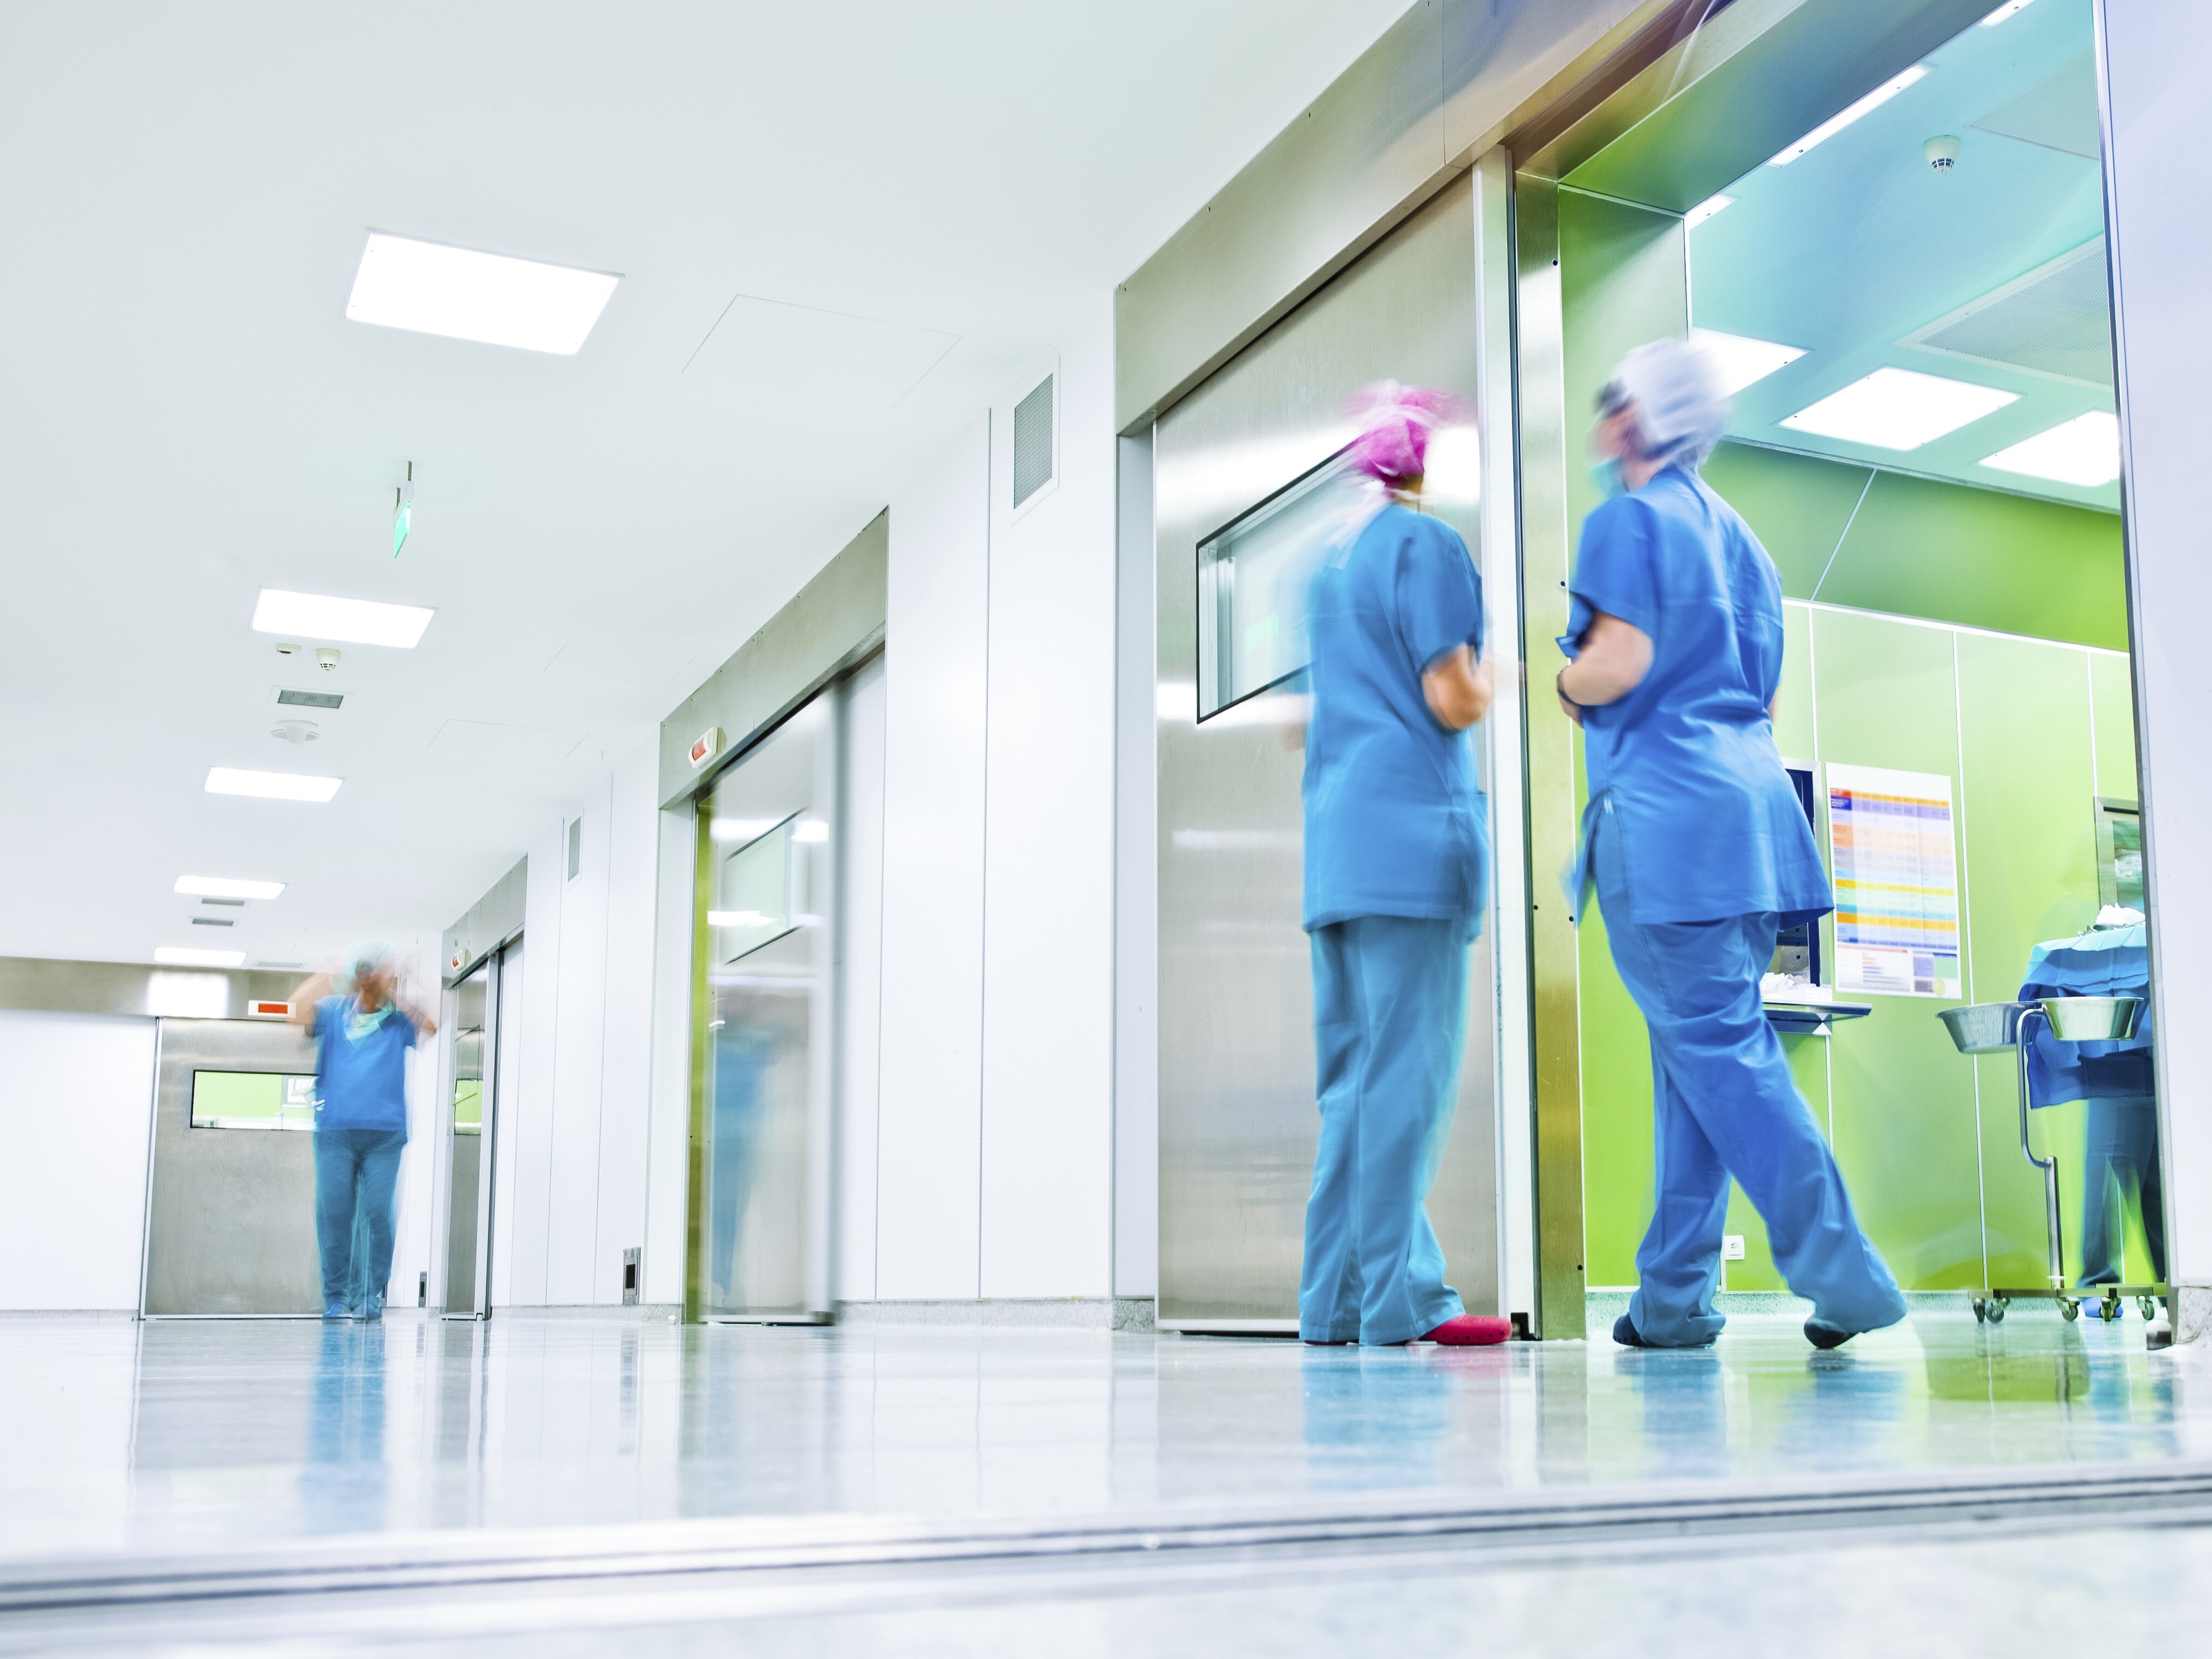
371, 956
1681, 408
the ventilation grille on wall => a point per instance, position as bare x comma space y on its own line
2056, 320
311, 699
1033, 442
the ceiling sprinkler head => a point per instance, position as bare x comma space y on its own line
1942, 153
295, 731
289, 648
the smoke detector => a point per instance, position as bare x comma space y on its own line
327, 656
1942, 153
295, 731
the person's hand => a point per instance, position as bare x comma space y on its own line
1568, 706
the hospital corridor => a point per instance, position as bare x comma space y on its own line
1246, 828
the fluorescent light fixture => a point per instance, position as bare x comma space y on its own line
1706, 209
270, 786
176, 955
1835, 123
2010, 8
741, 829
355, 622
1741, 359
736, 919
2084, 451
1899, 408
463, 294
222, 887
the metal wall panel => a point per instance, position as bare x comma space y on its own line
230, 1222
1237, 1121
490, 922
51, 986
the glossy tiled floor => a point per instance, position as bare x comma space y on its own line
190, 1436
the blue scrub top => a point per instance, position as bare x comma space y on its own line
361, 1081
1396, 823
1684, 767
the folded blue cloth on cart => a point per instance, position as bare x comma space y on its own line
2105, 962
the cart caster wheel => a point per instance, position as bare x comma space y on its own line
1981, 1311
2108, 1311
2071, 1310
2147, 1308
1997, 1311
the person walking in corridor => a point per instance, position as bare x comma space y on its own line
1396, 867
1700, 854
363, 1030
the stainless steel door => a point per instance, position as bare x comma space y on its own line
1237, 1120
230, 1222
476, 1014
768, 876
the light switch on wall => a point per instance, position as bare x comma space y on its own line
1731, 1246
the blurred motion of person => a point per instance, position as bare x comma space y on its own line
363, 1030
1397, 850
1701, 854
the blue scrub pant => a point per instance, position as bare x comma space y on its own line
357, 1173
1389, 1015
1723, 1104
2122, 1165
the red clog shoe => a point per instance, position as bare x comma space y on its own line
1471, 1331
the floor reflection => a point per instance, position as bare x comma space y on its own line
183, 1434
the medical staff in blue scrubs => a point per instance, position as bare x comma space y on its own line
1396, 866
363, 1028
1701, 854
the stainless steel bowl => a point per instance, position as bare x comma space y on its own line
1984, 1028
2093, 1019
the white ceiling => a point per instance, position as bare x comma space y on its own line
185, 414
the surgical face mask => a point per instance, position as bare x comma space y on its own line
1606, 475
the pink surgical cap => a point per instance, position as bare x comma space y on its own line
1396, 423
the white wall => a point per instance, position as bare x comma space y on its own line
996, 1128
76, 1103
1047, 1117
936, 639
2153, 54
573, 1143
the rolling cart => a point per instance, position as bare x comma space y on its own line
1989, 1028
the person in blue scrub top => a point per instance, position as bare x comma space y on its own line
363, 1028
1396, 863
1701, 854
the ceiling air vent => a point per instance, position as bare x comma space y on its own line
215, 921
311, 699
2054, 321
1033, 445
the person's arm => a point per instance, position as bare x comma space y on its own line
305, 999
419, 1018
1458, 688
1614, 660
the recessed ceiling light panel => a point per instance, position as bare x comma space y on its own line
431, 288
2084, 451
1836, 123
324, 617
224, 887
1741, 359
1899, 408
1706, 209
178, 956
270, 786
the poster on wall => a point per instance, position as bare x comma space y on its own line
1896, 882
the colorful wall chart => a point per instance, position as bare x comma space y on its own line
1896, 882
